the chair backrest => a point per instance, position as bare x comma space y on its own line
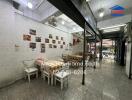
29, 63
65, 66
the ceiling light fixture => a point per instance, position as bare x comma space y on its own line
88, 0
30, 5
113, 26
111, 30
62, 22
74, 28
101, 12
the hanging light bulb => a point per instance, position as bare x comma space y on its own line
30, 5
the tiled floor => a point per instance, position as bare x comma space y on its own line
107, 82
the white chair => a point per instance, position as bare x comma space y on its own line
30, 69
62, 77
65, 66
45, 73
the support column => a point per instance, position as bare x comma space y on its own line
122, 53
84, 44
100, 56
95, 52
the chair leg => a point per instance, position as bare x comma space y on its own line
61, 84
36, 74
67, 81
29, 78
55, 81
48, 80
44, 77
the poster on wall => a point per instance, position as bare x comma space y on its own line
32, 32
50, 45
59, 42
46, 40
50, 36
57, 38
64, 43
32, 45
42, 48
70, 44
26, 37
61, 38
38, 39
53, 41
54, 46
61, 46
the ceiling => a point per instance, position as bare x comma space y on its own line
43, 11
95, 5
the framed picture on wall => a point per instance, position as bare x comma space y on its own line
32, 32
59, 42
32, 45
50, 36
54, 46
46, 40
50, 45
61, 46
64, 43
26, 37
57, 38
38, 39
54, 41
70, 44
61, 38
42, 46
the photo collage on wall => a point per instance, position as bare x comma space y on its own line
51, 41
55, 41
32, 44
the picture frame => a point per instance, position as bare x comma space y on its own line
59, 42
50, 36
54, 46
61, 46
46, 40
64, 43
50, 45
53, 41
57, 38
70, 44
42, 46
26, 37
32, 45
32, 32
38, 39
61, 38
